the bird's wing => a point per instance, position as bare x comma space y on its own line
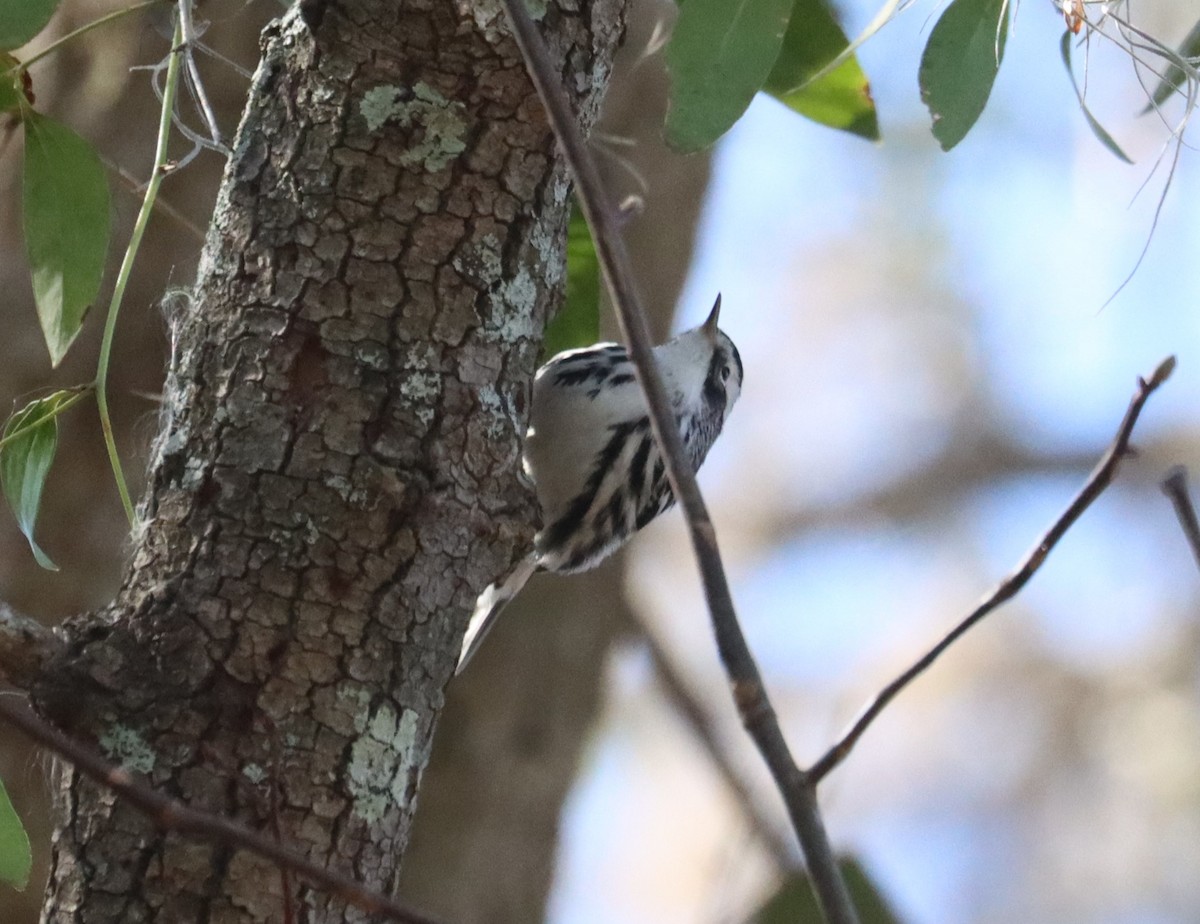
577, 397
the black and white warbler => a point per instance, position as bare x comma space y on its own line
590, 453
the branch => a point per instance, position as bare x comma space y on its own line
690, 707
25, 647
1101, 477
1176, 488
755, 709
173, 815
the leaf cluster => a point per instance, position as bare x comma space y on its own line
722, 53
66, 220
65, 203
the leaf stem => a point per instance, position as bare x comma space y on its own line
159, 170
81, 31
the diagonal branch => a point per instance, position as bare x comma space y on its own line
173, 815
1176, 488
1101, 477
689, 706
754, 707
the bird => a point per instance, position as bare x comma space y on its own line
590, 454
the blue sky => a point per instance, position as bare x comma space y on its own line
891, 301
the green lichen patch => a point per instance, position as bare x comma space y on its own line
378, 105
126, 747
254, 773
482, 262
517, 300
383, 761
442, 122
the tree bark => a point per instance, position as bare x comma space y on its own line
507, 752
336, 474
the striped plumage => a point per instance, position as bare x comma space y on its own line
592, 458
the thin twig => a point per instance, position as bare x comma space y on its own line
173, 815
135, 186
689, 704
1101, 477
754, 707
78, 33
289, 911
158, 171
192, 74
1175, 486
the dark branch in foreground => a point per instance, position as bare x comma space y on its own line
1101, 477
1175, 486
173, 815
755, 709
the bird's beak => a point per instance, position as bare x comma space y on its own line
710, 326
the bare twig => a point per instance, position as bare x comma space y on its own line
25, 645
1101, 477
285, 881
136, 186
195, 84
79, 33
173, 815
1175, 486
754, 707
690, 706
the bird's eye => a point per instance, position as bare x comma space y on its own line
724, 373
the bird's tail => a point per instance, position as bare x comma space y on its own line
494, 598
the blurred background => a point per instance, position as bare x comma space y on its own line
938, 348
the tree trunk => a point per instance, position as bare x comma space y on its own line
336, 475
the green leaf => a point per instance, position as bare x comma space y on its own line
578, 323
795, 902
1175, 75
959, 65
719, 56
30, 441
15, 855
21, 20
66, 227
1097, 129
841, 98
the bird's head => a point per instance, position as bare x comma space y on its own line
703, 367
